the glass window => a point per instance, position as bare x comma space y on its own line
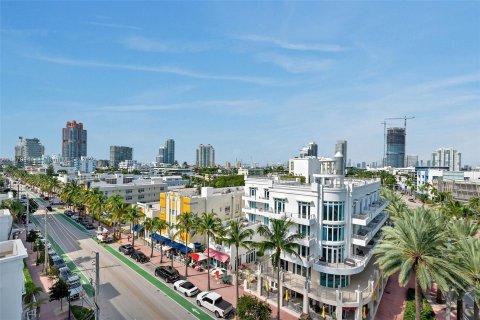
334, 281
333, 233
279, 205
333, 254
252, 204
333, 211
266, 221
304, 209
252, 217
304, 230
253, 192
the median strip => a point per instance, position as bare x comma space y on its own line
71, 265
73, 223
198, 313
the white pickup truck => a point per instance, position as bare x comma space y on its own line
214, 302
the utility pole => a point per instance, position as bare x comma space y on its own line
46, 243
28, 213
97, 285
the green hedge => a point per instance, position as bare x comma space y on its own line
427, 311
81, 313
26, 273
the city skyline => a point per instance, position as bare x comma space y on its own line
242, 82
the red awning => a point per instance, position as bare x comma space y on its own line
217, 255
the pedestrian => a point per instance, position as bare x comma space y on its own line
128, 238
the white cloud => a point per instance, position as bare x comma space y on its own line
296, 65
291, 45
158, 69
149, 45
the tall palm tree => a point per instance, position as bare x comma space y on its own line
460, 232
187, 223
133, 215
152, 226
69, 191
474, 204
239, 235
15, 207
117, 208
98, 202
416, 244
31, 291
278, 239
210, 225
172, 231
469, 253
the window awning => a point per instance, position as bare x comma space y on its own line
197, 245
217, 255
161, 238
137, 228
180, 247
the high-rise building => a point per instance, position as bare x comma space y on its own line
169, 157
341, 146
74, 141
395, 147
28, 151
85, 164
119, 154
411, 161
309, 150
166, 154
205, 156
447, 157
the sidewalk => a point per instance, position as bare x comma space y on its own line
48, 310
392, 305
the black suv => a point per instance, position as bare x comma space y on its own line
139, 256
168, 273
126, 249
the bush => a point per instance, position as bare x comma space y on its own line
427, 311
81, 313
250, 308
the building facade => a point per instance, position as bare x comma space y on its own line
447, 157
29, 151
12, 253
205, 156
309, 150
340, 220
341, 146
119, 154
74, 141
131, 190
395, 147
166, 153
85, 164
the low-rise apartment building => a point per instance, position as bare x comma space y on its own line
340, 219
12, 281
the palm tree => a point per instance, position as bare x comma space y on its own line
396, 208
187, 223
152, 226
279, 239
416, 244
171, 234
211, 226
16, 209
132, 215
474, 204
98, 202
117, 208
461, 231
69, 191
469, 252
239, 235
454, 208
31, 291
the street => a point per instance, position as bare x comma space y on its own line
123, 293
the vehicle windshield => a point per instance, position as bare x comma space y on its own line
188, 285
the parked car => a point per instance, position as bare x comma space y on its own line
186, 287
89, 226
126, 249
139, 256
57, 262
168, 273
214, 302
76, 293
104, 236
66, 274
74, 282
68, 213
75, 217
51, 252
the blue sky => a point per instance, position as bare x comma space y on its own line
257, 80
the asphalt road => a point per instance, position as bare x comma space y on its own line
123, 293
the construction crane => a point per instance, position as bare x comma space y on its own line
405, 118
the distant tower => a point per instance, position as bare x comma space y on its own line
205, 156
119, 154
341, 146
169, 155
447, 157
28, 151
310, 150
74, 141
396, 147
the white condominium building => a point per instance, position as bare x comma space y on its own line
340, 220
